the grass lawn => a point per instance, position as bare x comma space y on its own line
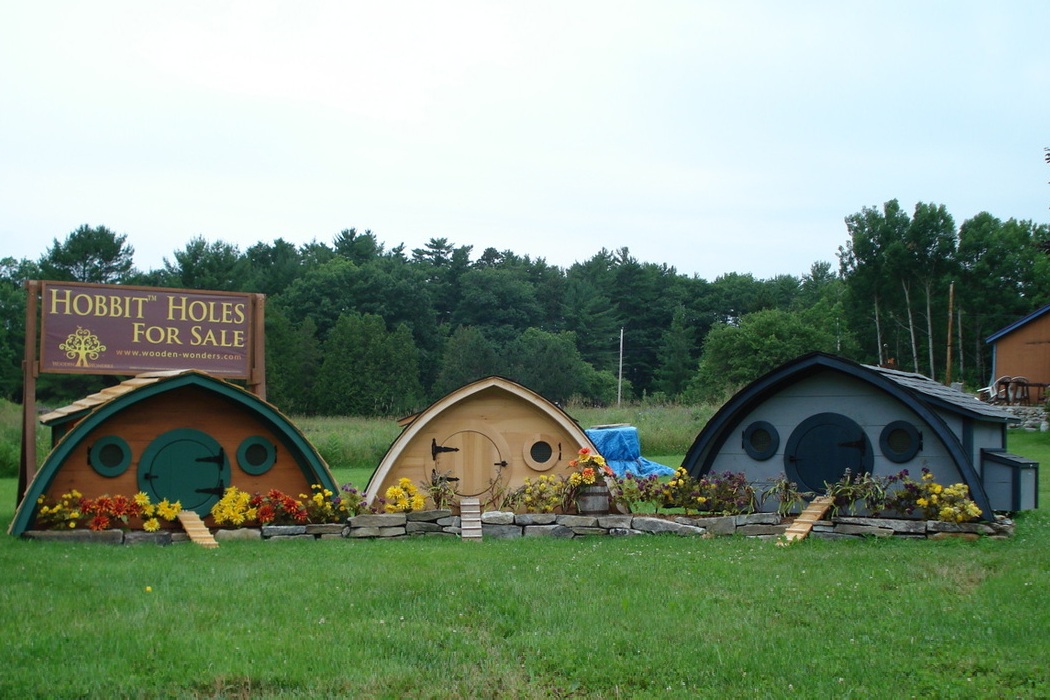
657, 616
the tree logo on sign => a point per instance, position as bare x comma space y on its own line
82, 345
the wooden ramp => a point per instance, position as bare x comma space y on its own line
194, 527
803, 524
470, 518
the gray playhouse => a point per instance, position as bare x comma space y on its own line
813, 417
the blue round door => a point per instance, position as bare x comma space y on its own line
823, 447
185, 465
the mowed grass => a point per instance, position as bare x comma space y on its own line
635, 617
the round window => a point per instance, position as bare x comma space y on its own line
900, 441
256, 455
761, 440
110, 456
541, 452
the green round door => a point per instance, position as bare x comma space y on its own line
185, 465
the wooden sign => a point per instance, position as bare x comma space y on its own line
109, 329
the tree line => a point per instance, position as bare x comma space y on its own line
355, 328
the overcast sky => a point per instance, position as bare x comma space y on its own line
711, 136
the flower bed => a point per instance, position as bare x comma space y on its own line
713, 505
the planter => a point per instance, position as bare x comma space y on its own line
593, 500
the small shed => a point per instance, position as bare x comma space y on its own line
818, 415
490, 435
1021, 359
180, 435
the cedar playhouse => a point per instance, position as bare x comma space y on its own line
813, 417
183, 435
489, 435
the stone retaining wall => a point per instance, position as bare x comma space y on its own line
1033, 418
505, 525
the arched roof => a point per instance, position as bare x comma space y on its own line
917, 393
419, 422
138, 392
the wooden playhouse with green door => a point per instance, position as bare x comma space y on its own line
181, 435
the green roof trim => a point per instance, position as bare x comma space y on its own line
307, 457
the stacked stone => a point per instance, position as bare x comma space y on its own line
398, 525
1033, 418
506, 525
846, 527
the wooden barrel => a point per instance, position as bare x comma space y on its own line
593, 500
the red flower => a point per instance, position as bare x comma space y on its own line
103, 505
99, 522
584, 451
120, 506
265, 514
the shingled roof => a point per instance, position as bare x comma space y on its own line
926, 389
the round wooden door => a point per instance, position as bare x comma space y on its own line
185, 465
473, 457
823, 447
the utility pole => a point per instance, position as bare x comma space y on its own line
619, 377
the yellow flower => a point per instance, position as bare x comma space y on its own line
168, 510
151, 525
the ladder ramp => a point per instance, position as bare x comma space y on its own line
803, 524
470, 518
194, 527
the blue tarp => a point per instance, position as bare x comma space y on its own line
622, 451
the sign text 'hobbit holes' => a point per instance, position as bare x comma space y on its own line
110, 329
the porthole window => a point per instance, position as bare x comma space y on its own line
256, 455
110, 456
900, 441
541, 452
761, 440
